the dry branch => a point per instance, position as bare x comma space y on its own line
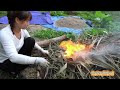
45, 43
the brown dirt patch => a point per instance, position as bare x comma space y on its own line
71, 22
31, 28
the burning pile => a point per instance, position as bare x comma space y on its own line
104, 56
75, 51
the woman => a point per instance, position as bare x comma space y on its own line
16, 44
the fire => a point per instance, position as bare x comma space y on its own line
74, 50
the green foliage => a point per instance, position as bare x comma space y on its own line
58, 13
99, 18
88, 15
102, 20
71, 36
3, 13
49, 33
95, 32
99, 14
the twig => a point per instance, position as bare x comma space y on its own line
99, 42
46, 72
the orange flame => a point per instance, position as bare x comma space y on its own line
73, 50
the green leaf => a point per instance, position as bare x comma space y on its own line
99, 14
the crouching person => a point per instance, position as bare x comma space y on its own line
16, 44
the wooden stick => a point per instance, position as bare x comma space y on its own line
45, 43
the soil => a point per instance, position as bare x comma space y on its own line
71, 22
31, 28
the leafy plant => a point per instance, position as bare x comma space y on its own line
94, 32
50, 33
88, 15
101, 19
58, 13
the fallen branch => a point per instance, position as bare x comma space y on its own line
45, 43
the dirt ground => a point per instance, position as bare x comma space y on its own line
71, 22
31, 28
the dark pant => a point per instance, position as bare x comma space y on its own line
26, 49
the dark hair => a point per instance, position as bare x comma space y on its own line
21, 15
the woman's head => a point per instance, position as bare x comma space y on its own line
19, 18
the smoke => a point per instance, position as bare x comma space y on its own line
107, 53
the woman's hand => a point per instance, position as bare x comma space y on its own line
42, 61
